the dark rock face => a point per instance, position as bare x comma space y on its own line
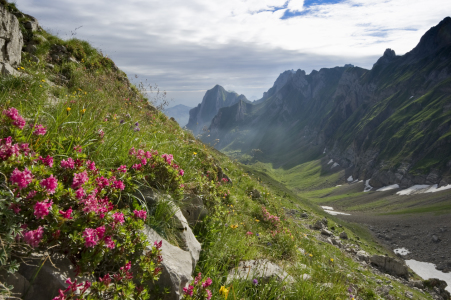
214, 99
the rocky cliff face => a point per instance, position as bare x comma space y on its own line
214, 99
11, 41
390, 124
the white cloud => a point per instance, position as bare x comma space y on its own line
238, 43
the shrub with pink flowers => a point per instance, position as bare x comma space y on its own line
198, 289
63, 203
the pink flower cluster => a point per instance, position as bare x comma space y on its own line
68, 164
122, 169
8, 149
80, 179
91, 165
17, 119
41, 209
66, 214
275, 220
72, 289
48, 161
34, 237
39, 130
22, 179
50, 184
201, 287
118, 217
142, 214
97, 205
93, 236
168, 158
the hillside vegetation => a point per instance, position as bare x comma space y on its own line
78, 141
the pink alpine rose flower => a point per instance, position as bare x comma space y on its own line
118, 185
118, 218
122, 169
68, 164
39, 130
80, 179
142, 214
34, 237
14, 115
22, 179
91, 238
66, 214
181, 172
109, 243
41, 209
48, 161
50, 184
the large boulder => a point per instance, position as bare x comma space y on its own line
185, 236
262, 269
50, 278
177, 266
11, 39
19, 283
390, 265
193, 209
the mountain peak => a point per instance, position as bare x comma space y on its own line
434, 39
388, 56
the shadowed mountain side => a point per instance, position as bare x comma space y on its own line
390, 123
213, 100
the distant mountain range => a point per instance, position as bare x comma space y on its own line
390, 124
180, 113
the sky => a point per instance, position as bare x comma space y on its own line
186, 47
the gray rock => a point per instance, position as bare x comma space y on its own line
261, 269
435, 239
193, 209
362, 255
186, 236
318, 225
34, 58
177, 266
50, 278
390, 265
20, 284
31, 49
326, 232
409, 295
255, 194
6, 69
416, 283
304, 215
31, 25
50, 66
11, 39
72, 59
344, 235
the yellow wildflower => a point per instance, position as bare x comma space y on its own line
311, 255
68, 109
257, 220
224, 291
331, 260
83, 110
234, 226
40, 85
43, 80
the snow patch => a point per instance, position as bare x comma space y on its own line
422, 189
416, 189
368, 187
330, 161
327, 207
350, 178
428, 270
338, 185
334, 165
401, 251
330, 210
388, 187
324, 150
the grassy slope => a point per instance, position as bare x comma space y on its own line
94, 85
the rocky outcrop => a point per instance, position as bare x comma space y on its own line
177, 266
390, 265
263, 270
47, 276
11, 42
193, 209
